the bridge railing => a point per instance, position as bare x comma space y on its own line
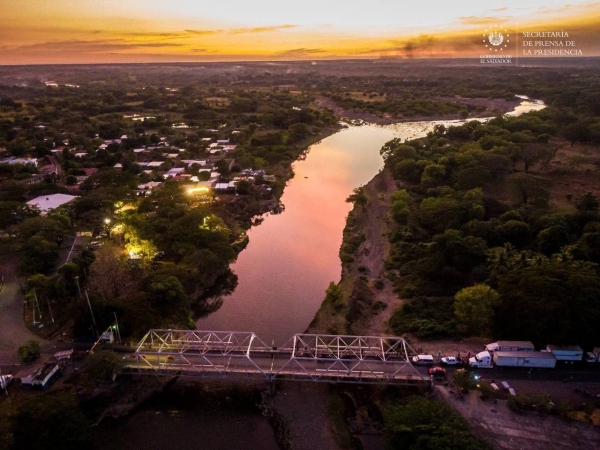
305, 357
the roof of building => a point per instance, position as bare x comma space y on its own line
47, 202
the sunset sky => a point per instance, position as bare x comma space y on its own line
84, 31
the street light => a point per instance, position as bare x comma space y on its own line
107, 221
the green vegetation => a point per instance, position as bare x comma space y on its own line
98, 142
29, 352
52, 421
102, 366
427, 423
484, 243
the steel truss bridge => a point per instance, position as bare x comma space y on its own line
305, 357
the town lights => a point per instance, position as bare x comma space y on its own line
198, 189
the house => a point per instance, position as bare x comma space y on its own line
150, 186
24, 161
124, 137
80, 155
202, 184
46, 203
43, 377
171, 155
228, 148
118, 166
221, 186
182, 177
65, 355
90, 172
155, 164
174, 172
107, 337
207, 139
191, 162
139, 150
45, 172
222, 141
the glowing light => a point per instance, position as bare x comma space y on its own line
198, 189
107, 221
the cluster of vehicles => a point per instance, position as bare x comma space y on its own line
515, 354
524, 354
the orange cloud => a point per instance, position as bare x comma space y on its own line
261, 29
486, 20
298, 52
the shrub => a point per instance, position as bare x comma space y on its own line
29, 352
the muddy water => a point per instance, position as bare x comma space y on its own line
292, 256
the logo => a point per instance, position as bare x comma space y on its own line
496, 39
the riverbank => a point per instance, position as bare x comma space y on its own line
368, 295
492, 107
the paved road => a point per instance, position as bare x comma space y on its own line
13, 331
280, 365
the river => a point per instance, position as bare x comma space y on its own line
292, 256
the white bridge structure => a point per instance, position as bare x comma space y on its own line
305, 357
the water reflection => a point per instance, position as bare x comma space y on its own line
292, 256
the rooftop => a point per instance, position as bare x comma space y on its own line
47, 202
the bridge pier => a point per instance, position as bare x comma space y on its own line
271, 384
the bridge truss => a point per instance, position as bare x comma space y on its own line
305, 357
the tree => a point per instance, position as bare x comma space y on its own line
297, 132
530, 154
39, 256
528, 189
335, 296
549, 303
358, 197
102, 366
588, 204
51, 421
576, 132
167, 291
422, 423
440, 213
109, 275
399, 207
29, 352
473, 308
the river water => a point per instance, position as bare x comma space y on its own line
292, 256
283, 274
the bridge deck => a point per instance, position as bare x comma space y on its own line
349, 359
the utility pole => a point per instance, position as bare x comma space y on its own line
37, 303
117, 328
78, 288
92, 313
50, 309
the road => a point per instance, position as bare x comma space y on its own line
279, 365
13, 331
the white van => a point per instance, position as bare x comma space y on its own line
422, 360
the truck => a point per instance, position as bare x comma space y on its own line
482, 360
532, 359
593, 356
510, 346
567, 353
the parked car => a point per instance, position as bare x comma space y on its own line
437, 371
423, 360
451, 360
158, 256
